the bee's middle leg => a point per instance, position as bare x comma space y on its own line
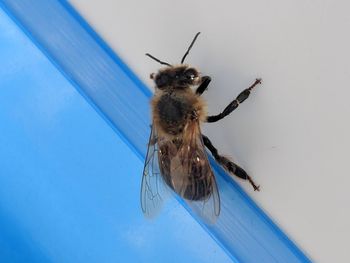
234, 104
228, 164
204, 85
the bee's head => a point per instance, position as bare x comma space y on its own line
181, 76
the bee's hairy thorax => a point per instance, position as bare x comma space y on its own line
173, 109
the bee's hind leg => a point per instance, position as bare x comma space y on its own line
228, 164
204, 85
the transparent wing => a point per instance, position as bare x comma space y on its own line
208, 209
153, 189
192, 177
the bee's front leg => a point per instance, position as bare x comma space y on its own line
204, 85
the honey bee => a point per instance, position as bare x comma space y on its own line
176, 158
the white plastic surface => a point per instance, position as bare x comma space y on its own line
292, 134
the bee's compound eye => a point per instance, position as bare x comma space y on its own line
162, 80
191, 73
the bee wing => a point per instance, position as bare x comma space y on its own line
197, 185
153, 189
208, 209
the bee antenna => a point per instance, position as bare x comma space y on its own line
189, 48
156, 59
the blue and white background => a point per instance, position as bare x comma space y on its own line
70, 168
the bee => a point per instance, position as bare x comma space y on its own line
176, 158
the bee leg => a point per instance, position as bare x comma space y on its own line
234, 104
204, 85
228, 164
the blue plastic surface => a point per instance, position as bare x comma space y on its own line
243, 230
69, 186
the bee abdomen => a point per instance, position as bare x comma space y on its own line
189, 177
198, 190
